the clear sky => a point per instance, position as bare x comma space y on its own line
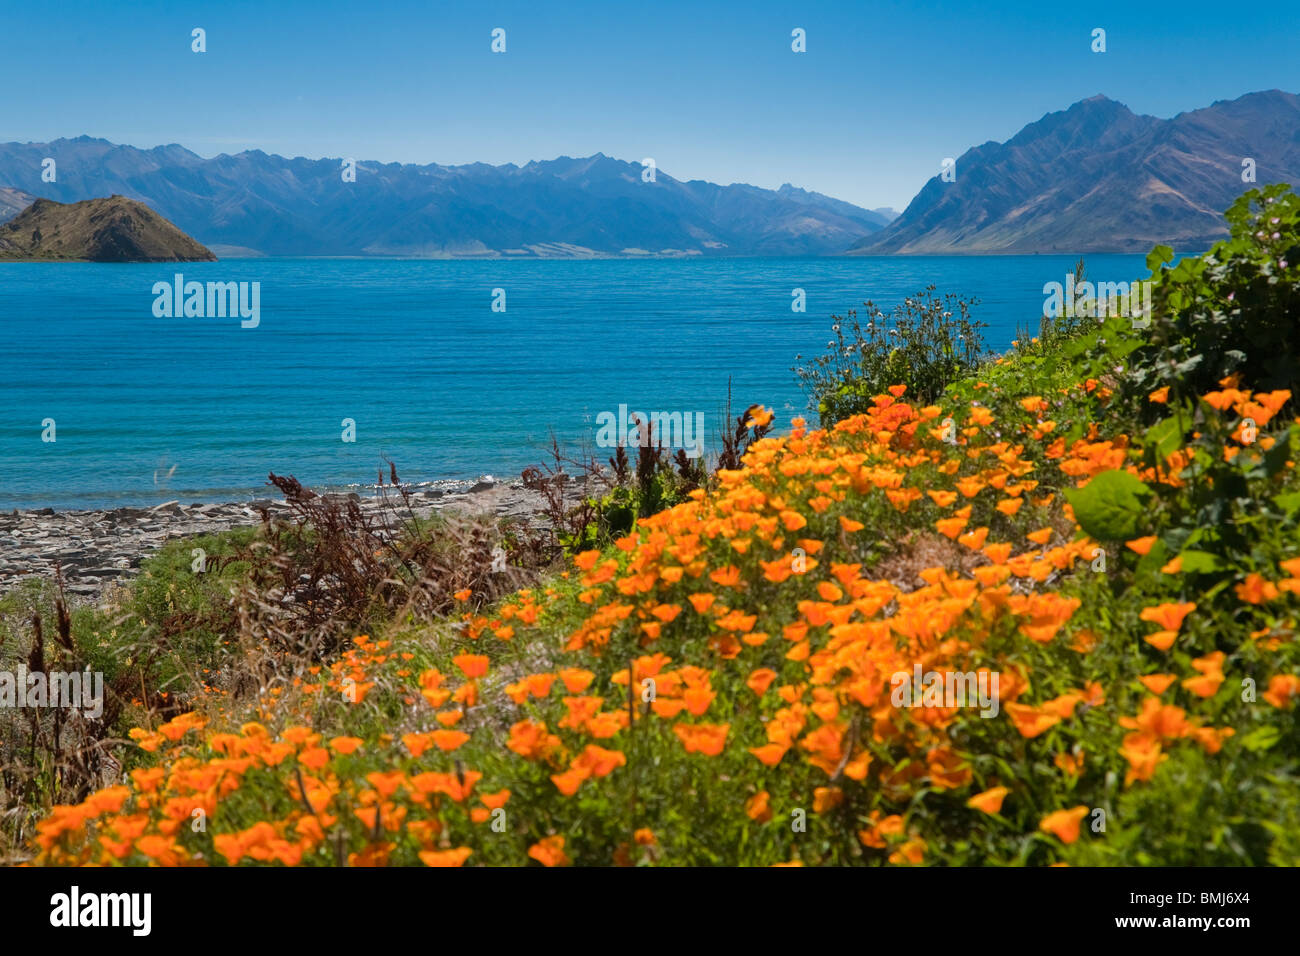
711, 91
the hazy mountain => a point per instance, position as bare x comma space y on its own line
881, 217
97, 230
12, 202
257, 203
1099, 178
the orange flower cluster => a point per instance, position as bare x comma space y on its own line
745, 626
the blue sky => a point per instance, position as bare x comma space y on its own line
711, 91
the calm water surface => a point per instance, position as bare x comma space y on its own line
150, 409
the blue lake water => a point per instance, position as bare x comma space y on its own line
149, 409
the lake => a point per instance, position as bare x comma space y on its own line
148, 409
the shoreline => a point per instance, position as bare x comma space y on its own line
99, 547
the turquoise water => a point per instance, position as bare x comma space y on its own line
149, 409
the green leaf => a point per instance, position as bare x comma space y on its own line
1153, 560
1110, 505
1158, 257
1199, 562
1261, 739
1165, 437
1289, 503
1275, 458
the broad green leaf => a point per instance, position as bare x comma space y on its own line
1289, 502
1199, 562
1158, 257
1165, 437
1260, 739
1110, 506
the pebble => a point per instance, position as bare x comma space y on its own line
94, 548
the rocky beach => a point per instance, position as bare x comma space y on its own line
97, 548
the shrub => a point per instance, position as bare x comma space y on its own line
928, 342
1235, 310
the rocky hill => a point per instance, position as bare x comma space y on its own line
115, 229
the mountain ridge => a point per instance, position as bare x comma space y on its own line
1137, 181
1094, 177
262, 203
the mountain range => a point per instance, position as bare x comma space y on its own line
1099, 178
1092, 178
255, 203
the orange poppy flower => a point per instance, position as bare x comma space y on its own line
990, 801
757, 807
826, 798
1281, 689
1157, 683
1206, 685
1069, 764
456, 857
1256, 589
1158, 721
770, 754
1144, 755
760, 680
345, 745
793, 520
575, 679
386, 784
1064, 824
449, 740
314, 758
828, 592
417, 744
471, 665
1169, 616
1141, 545
701, 602
1030, 721
569, 781
950, 527
1162, 640
727, 577
549, 852
706, 739
998, 553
